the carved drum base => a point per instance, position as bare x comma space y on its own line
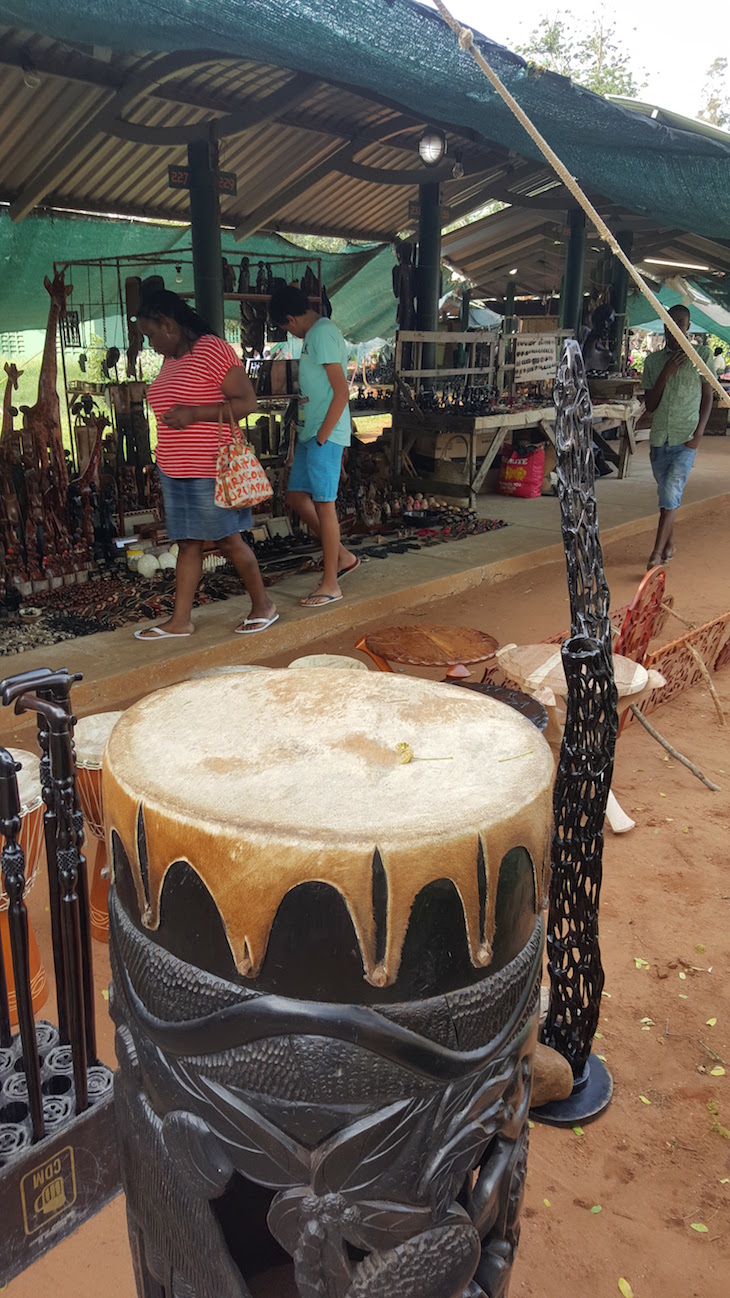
386, 1160
325, 972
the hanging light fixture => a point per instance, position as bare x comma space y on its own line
432, 146
31, 77
178, 275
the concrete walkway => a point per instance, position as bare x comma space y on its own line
118, 669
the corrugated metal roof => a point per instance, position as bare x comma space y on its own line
117, 175
275, 159
486, 251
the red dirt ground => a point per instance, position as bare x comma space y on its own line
654, 1168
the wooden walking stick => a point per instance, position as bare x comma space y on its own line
13, 869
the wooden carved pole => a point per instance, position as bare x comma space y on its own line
585, 767
13, 869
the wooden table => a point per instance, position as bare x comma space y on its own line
484, 435
427, 646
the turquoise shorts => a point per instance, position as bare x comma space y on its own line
316, 470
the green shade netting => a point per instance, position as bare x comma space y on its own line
405, 52
28, 251
704, 317
365, 308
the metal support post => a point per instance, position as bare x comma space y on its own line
205, 229
429, 267
571, 303
619, 293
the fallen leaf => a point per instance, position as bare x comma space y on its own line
725, 1180
685, 829
644, 1099
405, 753
641, 963
682, 996
105, 993
646, 1029
698, 1226
717, 1072
547, 1203
662, 795
530, 1123
700, 947
656, 831
711, 1023
607, 995
625, 1288
599, 1035
647, 1020
578, 1131
602, 1058
682, 975
596, 1208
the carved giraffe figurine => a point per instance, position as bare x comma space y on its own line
9, 507
7, 429
42, 436
43, 420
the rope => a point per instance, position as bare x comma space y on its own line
466, 41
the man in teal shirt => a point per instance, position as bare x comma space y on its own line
681, 402
323, 430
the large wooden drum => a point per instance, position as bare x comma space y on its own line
326, 942
31, 839
90, 738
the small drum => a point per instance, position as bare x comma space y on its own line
326, 940
32, 842
90, 737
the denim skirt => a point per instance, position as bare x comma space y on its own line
191, 513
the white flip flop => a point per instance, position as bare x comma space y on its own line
252, 625
159, 633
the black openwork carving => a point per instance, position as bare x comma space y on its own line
585, 768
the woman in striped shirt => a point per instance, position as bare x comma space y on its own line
200, 376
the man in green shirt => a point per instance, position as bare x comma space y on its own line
681, 402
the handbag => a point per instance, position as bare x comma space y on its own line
240, 481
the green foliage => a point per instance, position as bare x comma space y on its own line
715, 108
593, 57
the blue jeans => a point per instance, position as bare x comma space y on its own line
670, 466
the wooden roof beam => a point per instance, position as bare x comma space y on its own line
63, 147
270, 108
290, 189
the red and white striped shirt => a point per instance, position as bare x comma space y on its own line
194, 379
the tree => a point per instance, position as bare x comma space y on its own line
716, 94
593, 57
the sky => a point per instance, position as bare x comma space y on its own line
672, 44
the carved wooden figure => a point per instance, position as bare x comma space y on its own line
326, 958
